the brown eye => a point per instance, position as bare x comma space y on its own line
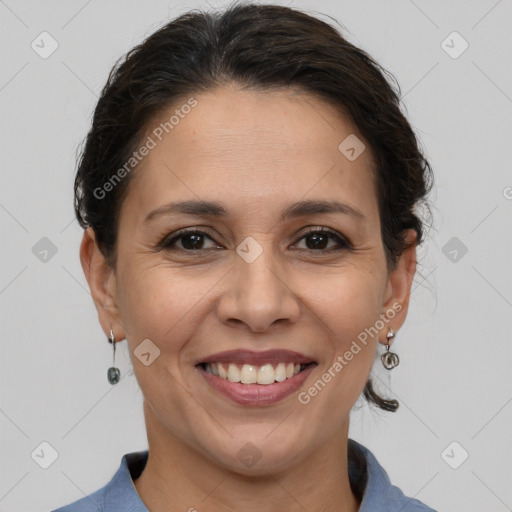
192, 240
318, 240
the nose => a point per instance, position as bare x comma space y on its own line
258, 294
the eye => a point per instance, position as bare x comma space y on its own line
318, 238
190, 240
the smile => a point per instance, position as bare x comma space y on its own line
255, 378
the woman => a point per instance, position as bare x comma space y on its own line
248, 193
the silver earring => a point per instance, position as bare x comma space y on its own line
113, 373
389, 359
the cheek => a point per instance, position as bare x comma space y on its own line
157, 304
156, 301
347, 300
349, 314
350, 308
355, 307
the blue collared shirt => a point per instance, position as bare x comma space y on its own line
368, 479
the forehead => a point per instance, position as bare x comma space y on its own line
247, 146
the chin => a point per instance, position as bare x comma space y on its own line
257, 455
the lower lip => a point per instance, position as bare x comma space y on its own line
256, 394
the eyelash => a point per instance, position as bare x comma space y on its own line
168, 243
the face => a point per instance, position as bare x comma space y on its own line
289, 258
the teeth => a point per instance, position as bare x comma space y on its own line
281, 372
266, 374
250, 374
233, 373
220, 370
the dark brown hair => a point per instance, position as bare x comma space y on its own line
261, 47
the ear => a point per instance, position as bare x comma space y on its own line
398, 288
102, 283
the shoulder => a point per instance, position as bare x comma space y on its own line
378, 493
92, 503
119, 494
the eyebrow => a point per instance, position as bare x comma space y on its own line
215, 209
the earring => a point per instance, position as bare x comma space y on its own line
113, 373
389, 359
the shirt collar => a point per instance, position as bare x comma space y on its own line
378, 491
368, 479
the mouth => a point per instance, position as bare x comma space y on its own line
256, 378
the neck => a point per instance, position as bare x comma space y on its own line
172, 480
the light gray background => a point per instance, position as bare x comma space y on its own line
454, 380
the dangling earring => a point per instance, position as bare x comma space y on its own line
389, 359
113, 373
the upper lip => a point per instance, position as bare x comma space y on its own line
241, 356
